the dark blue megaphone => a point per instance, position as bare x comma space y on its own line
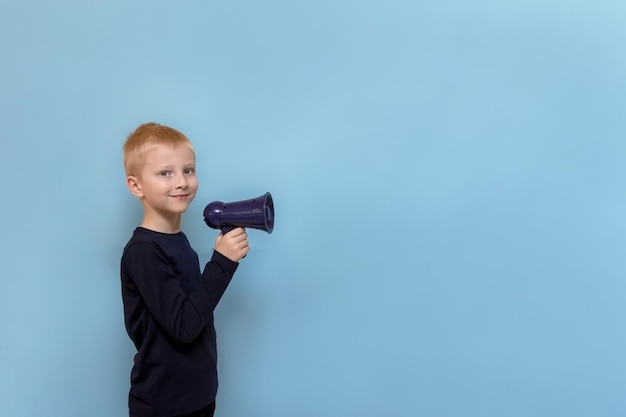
256, 213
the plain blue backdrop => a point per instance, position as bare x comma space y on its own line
449, 188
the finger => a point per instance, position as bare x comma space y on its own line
234, 232
242, 244
240, 238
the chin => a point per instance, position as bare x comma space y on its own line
180, 210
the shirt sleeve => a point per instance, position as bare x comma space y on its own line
181, 314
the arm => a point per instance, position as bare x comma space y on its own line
181, 315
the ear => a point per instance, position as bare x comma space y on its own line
133, 186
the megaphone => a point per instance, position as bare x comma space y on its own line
256, 213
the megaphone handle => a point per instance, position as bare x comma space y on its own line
226, 229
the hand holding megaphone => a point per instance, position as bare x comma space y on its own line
256, 213
233, 245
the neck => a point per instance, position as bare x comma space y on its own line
160, 223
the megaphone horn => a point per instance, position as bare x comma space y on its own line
256, 213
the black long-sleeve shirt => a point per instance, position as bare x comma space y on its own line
168, 311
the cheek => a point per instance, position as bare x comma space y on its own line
194, 183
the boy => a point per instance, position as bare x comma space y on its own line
168, 301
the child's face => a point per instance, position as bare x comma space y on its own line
168, 179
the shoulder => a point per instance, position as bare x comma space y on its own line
140, 251
141, 257
142, 243
148, 243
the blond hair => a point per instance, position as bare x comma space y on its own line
145, 138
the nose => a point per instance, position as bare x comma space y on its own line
182, 182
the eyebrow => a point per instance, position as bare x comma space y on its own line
161, 167
171, 166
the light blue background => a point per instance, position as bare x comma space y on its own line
449, 182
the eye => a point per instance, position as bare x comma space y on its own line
189, 171
164, 173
